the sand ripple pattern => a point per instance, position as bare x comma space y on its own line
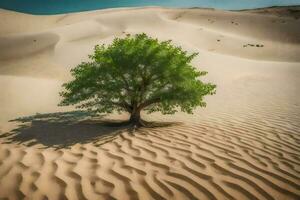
195, 161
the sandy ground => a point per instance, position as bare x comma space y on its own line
244, 145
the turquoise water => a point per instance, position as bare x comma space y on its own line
66, 6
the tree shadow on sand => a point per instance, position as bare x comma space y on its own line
64, 129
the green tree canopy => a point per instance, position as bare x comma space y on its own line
137, 73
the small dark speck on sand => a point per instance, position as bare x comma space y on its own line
253, 45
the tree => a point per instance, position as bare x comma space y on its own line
137, 73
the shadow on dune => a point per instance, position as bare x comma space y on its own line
64, 129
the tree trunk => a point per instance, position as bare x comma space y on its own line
135, 118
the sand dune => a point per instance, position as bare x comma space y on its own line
244, 145
26, 45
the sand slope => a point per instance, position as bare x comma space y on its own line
244, 145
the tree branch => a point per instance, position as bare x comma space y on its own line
124, 105
148, 103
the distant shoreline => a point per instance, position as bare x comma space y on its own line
297, 7
74, 10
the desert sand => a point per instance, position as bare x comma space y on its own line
244, 145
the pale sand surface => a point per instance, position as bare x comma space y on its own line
244, 145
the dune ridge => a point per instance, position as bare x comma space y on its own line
243, 146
